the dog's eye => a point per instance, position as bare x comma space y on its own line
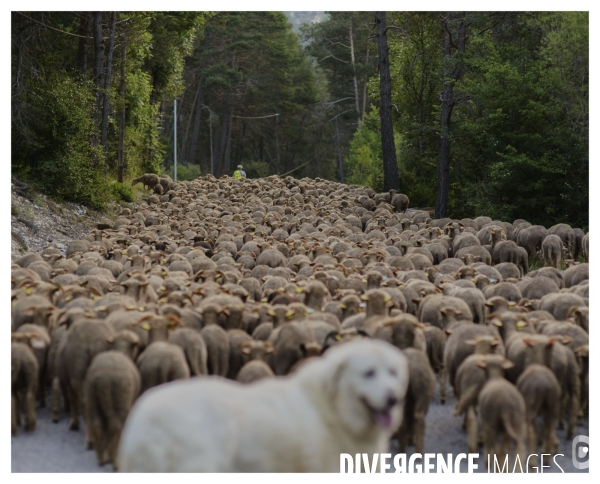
369, 374
392, 372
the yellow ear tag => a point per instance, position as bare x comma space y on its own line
521, 325
146, 326
298, 290
387, 299
338, 337
498, 323
264, 299
28, 291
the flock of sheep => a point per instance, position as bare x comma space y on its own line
256, 279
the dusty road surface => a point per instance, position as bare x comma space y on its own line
53, 448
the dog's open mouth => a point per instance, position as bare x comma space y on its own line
383, 418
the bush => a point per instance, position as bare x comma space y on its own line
185, 172
63, 161
122, 191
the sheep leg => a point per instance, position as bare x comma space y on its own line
30, 409
402, 436
14, 411
42, 387
73, 398
471, 429
443, 378
55, 399
505, 446
531, 442
561, 413
489, 444
98, 440
18, 408
65, 395
419, 432
114, 435
573, 405
520, 452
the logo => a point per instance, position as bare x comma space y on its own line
581, 452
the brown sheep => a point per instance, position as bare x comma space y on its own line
541, 392
194, 348
502, 411
149, 180
574, 275
421, 386
218, 347
435, 339
254, 370
559, 304
162, 362
112, 384
566, 234
552, 251
24, 379
84, 340
457, 349
40, 345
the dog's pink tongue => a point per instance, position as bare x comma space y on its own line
383, 419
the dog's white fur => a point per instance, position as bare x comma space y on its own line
298, 423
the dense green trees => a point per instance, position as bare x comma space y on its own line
74, 76
496, 102
489, 109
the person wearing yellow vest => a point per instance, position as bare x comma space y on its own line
239, 173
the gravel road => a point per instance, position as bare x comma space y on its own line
53, 448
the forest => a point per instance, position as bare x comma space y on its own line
487, 112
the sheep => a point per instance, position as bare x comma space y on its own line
421, 385
574, 275
538, 287
435, 340
475, 300
457, 348
194, 348
567, 236
112, 384
84, 340
552, 251
40, 345
531, 238
24, 378
559, 304
217, 347
254, 370
161, 362
541, 393
237, 337
502, 411
148, 180
432, 307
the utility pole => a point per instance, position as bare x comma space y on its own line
175, 140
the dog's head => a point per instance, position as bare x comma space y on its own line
365, 382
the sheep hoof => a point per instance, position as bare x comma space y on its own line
74, 426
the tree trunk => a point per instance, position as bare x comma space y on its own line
120, 169
111, 48
196, 128
390, 165
228, 147
339, 150
223, 135
452, 71
364, 106
84, 32
277, 143
98, 71
354, 80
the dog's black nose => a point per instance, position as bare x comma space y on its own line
391, 401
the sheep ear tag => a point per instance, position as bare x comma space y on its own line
146, 326
521, 325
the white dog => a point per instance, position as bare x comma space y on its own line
350, 400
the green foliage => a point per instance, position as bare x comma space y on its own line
185, 172
256, 169
122, 191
